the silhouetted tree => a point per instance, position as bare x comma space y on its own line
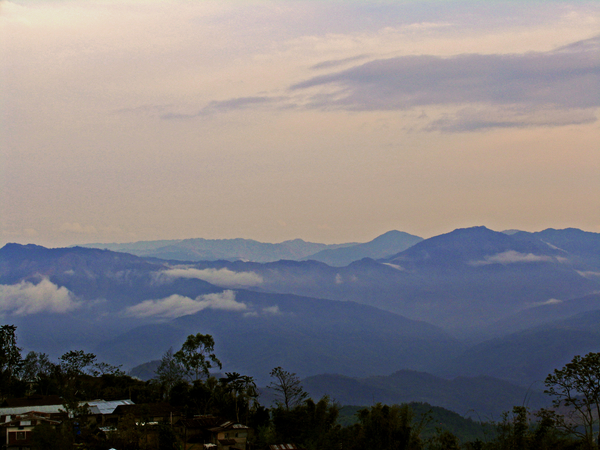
287, 387
169, 372
197, 356
577, 386
10, 357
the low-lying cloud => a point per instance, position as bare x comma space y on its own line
267, 311
512, 257
27, 298
178, 305
220, 277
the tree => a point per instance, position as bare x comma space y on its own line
577, 386
197, 356
311, 425
10, 357
35, 366
74, 362
242, 389
45, 436
169, 372
390, 428
287, 387
72, 366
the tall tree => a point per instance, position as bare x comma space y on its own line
287, 387
35, 366
10, 357
169, 372
242, 389
75, 362
577, 386
197, 356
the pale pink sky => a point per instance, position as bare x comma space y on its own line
272, 120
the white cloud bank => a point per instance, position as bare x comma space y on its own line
27, 298
179, 305
221, 277
512, 257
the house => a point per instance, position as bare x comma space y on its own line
149, 413
210, 432
104, 412
18, 431
230, 436
50, 404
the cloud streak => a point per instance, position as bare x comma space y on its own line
26, 298
177, 305
232, 104
512, 257
220, 277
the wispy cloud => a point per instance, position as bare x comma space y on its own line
179, 305
220, 277
338, 62
551, 301
531, 89
512, 257
589, 274
77, 228
27, 298
232, 104
267, 311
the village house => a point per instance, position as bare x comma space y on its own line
18, 431
210, 432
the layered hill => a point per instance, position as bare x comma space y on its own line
221, 249
464, 280
128, 311
383, 246
527, 357
479, 397
515, 297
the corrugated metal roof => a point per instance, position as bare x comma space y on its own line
26, 409
106, 407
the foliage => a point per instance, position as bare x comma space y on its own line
390, 428
169, 372
197, 356
75, 362
288, 389
443, 440
577, 387
242, 390
522, 430
312, 425
35, 366
167, 439
46, 436
10, 357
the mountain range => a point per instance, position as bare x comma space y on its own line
471, 304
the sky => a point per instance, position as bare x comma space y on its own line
328, 121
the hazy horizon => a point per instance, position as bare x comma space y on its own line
333, 122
